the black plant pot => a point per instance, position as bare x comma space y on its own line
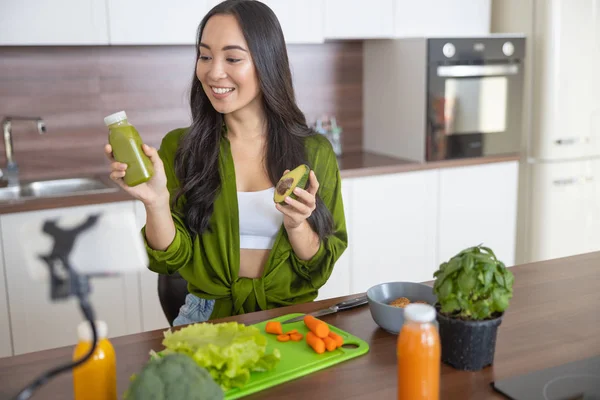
468, 345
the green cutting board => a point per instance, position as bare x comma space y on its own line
297, 358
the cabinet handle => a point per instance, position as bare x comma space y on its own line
573, 140
566, 141
564, 181
572, 181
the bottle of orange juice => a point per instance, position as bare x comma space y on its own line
419, 354
95, 379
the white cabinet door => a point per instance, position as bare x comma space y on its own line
339, 281
155, 21
567, 45
393, 228
565, 209
442, 17
37, 322
478, 204
152, 313
300, 20
357, 19
6, 349
53, 22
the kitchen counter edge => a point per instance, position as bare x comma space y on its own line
353, 165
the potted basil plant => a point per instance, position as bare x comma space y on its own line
473, 289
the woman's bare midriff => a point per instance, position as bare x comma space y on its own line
252, 262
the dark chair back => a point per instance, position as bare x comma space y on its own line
172, 290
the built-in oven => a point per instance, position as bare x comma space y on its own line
474, 96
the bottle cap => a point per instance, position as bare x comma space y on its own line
84, 331
114, 118
420, 313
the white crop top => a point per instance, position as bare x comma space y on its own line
259, 219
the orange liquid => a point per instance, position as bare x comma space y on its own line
96, 379
419, 358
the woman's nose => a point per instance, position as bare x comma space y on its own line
216, 71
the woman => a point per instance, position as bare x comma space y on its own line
210, 209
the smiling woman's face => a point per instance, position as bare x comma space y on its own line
225, 67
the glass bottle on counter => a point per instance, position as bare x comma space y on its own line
96, 378
419, 354
127, 148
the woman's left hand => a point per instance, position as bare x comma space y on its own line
297, 211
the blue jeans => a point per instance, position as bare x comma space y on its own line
194, 310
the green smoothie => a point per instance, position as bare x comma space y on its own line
127, 148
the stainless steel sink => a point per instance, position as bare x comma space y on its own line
55, 188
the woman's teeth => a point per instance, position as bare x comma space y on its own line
221, 90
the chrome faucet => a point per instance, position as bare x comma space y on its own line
10, 174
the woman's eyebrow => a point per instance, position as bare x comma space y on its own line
230, 47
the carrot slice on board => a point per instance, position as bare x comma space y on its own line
296, 337
283, 338
274, 327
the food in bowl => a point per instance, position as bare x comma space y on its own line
402, 302
391, 317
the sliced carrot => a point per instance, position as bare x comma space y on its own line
292, 331
296, 337
338, 339
318, 327
283, 338
274, 327
330, 344
315, 342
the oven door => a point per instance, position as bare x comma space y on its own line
473, 110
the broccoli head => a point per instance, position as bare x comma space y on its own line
173, 377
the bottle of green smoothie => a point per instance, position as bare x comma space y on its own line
127, 148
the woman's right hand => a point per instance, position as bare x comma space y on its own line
153, 192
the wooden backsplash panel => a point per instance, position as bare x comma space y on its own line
74, 88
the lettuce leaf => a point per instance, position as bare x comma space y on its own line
229, 351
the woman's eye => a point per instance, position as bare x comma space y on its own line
204, 58
234, 60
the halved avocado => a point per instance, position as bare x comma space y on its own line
298, 177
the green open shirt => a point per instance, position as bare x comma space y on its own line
210, 262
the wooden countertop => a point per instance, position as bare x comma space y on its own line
552, 319
352, 165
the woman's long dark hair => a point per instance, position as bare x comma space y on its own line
197, 159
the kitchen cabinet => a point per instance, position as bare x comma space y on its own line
442, 18
53, 22
339, 281
37, 323
177, 22
155, 21
565, 220
5, 334
301, 20
393, 228
478, 204
350, 19
153, 316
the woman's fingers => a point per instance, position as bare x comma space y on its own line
117, 166
108, 152
305, 197
313, 183
299, 207
152, 153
